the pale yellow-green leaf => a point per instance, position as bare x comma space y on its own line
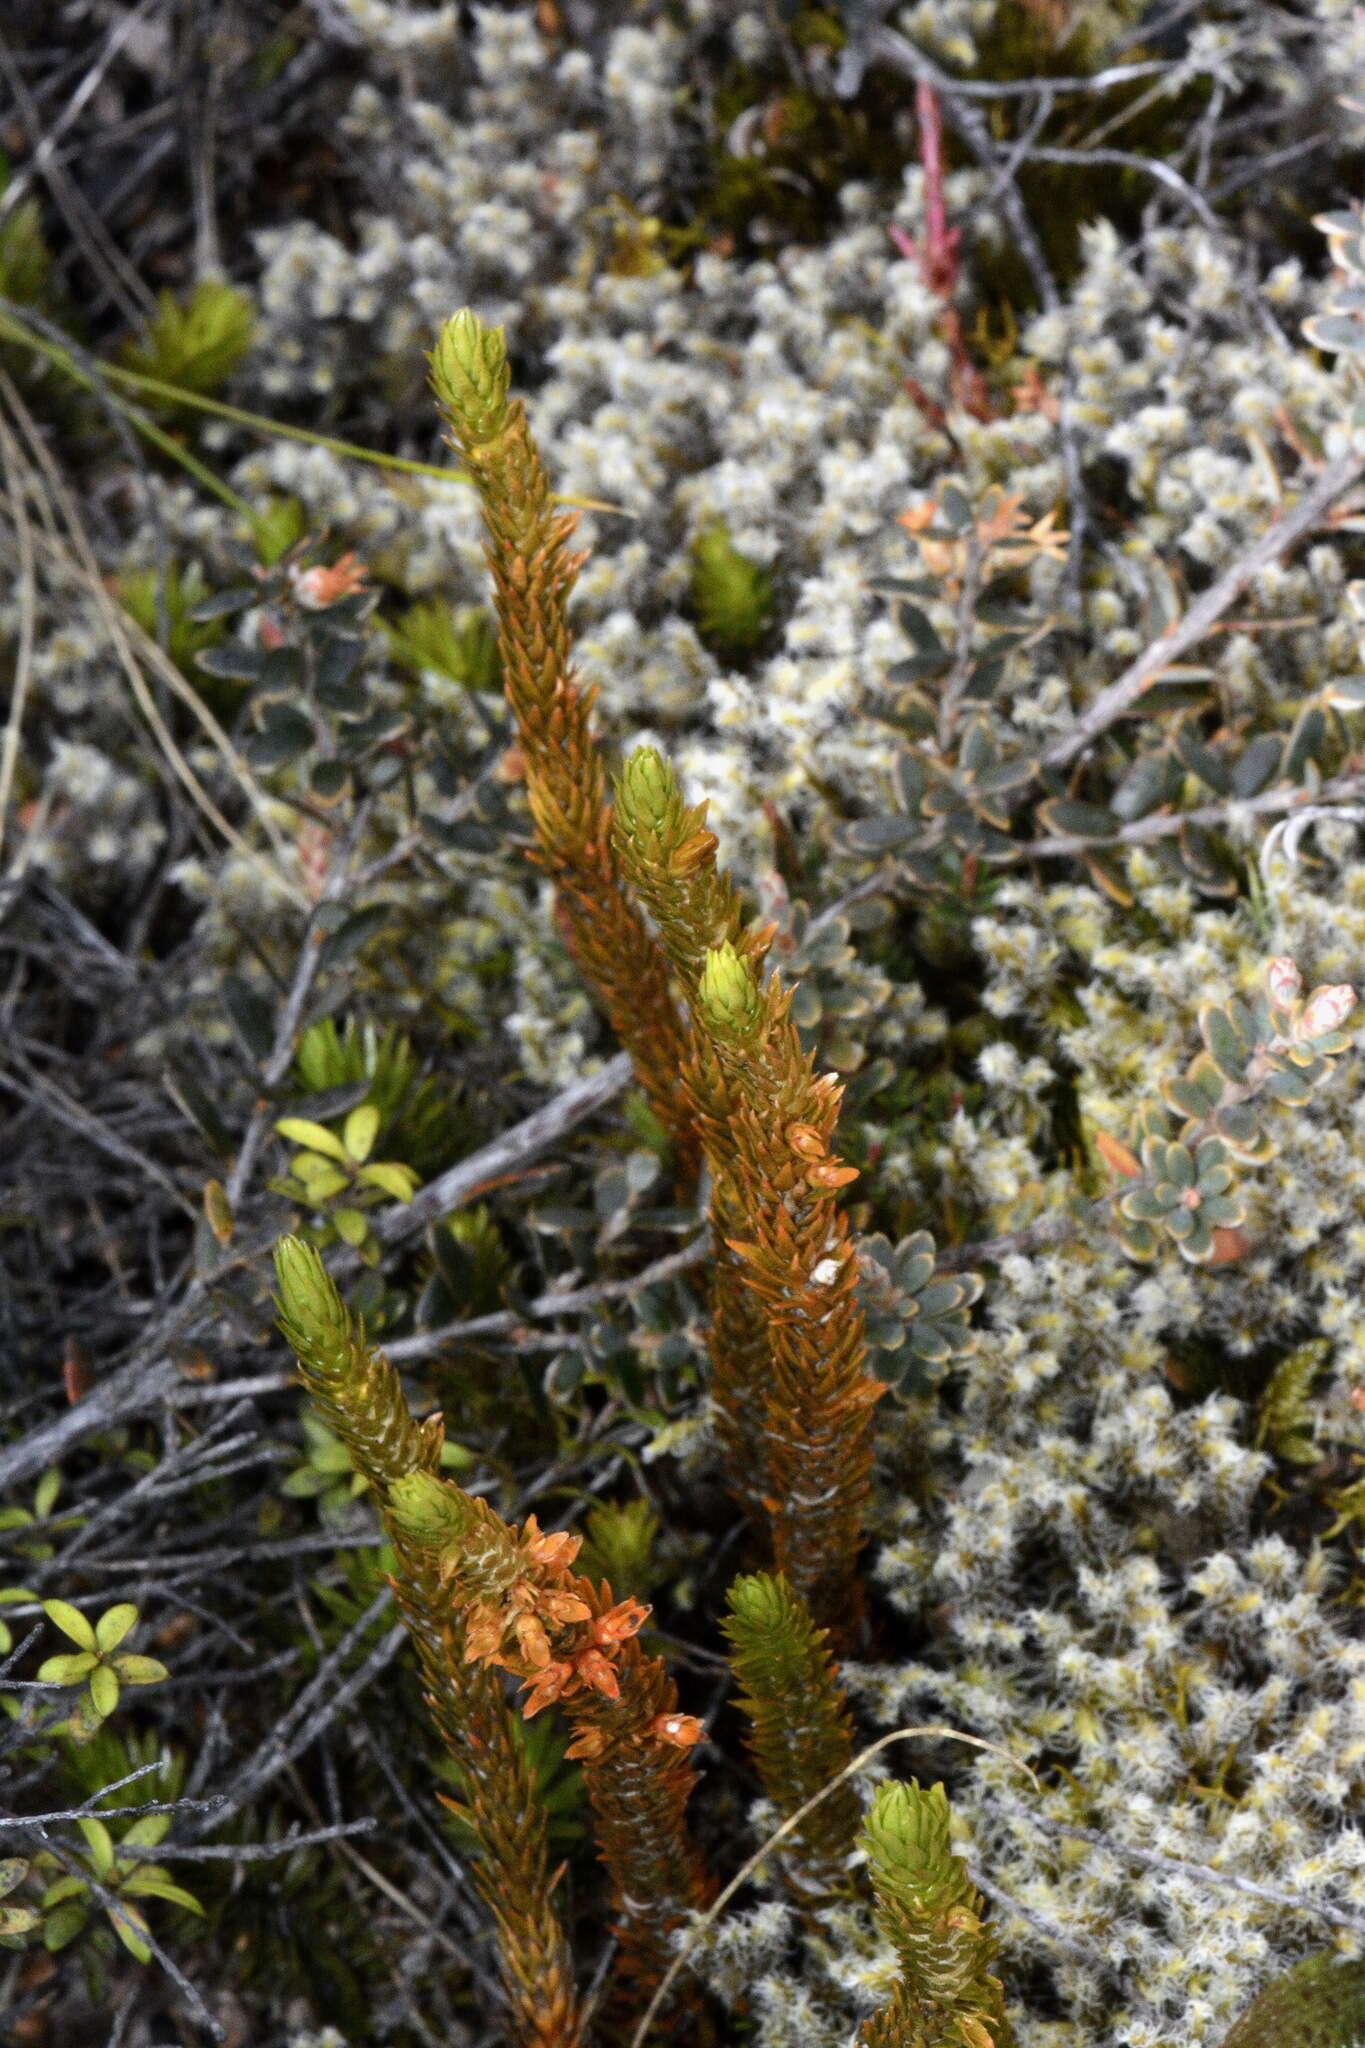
399, 1181
100, 1843
67, 1670
351, 1224
147, 1832
139, 1670
68, 1886
319, 1176
114, 1624
71, 1622
301, 1130
132, 1930
104, 1689
360, 1131
63, 1925
147, 1884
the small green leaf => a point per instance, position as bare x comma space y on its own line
145, 1885
1224, 1042
71, 1622
104, 1689
132, 1930
13, 1871
351, 1224
353, 933
45, 1494
68, 1886
301, 1130
114, 1624
67, 1670
139, 1670
399, 1181
147, 1832
100, 1843
360, 1131
320, 1177
305, 1484
63, 1925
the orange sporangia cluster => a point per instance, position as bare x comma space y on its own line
358, 1392
536, 1630
515, 1604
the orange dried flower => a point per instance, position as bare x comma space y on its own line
595, 1670
557, 1549
532, 1640
627, 1618
562, 1607
589, 1742
483, 1634
826, 1174
317, 588
547, 1686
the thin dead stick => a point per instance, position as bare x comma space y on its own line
1121, 695
23, 658
1164, 824
114, 621
513, 1149
788, 1827
149, 1377
506, 1321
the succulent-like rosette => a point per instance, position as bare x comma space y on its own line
1186, 1197
916, 1322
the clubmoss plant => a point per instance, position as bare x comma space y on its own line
358, 1395
797, 1430
479, 1596
930, 1912
533, 574
801, 1731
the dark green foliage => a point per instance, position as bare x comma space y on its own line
915, 1322
25, 259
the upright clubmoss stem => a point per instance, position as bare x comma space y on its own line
801, 1417
930, 1912
533, 574
359, 1395
801, 1730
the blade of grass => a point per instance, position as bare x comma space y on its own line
15, 328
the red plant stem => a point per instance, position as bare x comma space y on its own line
938, 257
